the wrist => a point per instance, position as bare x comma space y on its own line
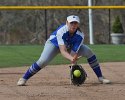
74, 61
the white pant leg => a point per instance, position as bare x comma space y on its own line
85, 51
49, 52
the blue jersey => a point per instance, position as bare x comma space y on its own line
62, 37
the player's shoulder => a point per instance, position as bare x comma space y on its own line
62, 29
80, 33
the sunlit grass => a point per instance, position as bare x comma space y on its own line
14, 56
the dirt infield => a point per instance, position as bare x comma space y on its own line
52, 83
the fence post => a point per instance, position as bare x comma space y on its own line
109, 25
46, 31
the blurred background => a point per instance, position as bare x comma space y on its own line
35, 26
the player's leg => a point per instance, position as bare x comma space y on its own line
49, 52
93, 62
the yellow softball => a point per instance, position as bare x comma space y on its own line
77, 73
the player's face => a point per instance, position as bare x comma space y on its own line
72, 26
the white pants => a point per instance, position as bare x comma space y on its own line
50, 51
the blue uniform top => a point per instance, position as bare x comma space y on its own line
62, 37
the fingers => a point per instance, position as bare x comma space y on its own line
79, 57
74, 60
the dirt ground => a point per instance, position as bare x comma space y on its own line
52, 83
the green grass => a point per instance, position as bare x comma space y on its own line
11, 56
14, 56
109, 53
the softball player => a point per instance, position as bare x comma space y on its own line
67, 40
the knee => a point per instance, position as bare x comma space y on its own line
42, 63
89, 53
86, 51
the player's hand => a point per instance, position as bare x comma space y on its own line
74, 61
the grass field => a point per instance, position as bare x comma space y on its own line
25, 55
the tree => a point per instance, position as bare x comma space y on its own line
117, 26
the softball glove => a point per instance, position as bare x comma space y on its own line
77, 80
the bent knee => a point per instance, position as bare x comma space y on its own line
89, 54
42, 63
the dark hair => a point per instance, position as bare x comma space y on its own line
79, 29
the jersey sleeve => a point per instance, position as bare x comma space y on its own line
77, 46
78, 43
59, 36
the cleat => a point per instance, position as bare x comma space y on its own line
21, 82
104, 80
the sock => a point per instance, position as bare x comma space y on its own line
31, 71
95, 66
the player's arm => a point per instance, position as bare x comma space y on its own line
65, 53
63, 48
76, 48
74, 55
